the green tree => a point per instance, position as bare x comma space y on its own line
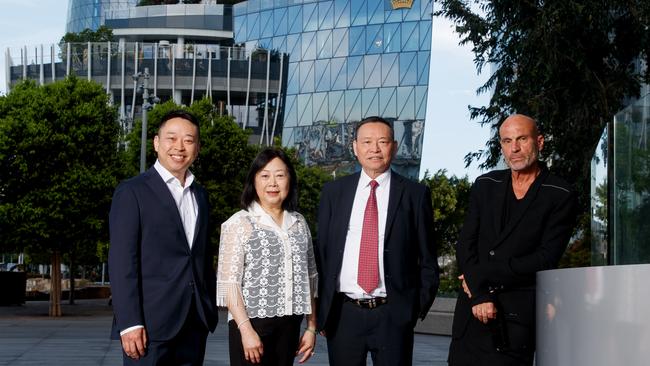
571, 64
102, 34
450, 199
58, 167
310, 184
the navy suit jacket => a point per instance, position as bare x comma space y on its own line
153, 272
410, 263
500, 260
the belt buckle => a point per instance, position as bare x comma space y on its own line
372, 303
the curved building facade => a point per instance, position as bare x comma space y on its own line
348, 59
83, 14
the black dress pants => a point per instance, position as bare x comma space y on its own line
476, 348
187, 348
280, 337
358, 331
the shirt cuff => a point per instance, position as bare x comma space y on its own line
130, 329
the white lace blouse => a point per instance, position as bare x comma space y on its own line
271, 268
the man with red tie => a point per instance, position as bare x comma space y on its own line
376, 256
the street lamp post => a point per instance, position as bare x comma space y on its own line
148, 102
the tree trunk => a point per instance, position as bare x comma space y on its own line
55, 285
72, 275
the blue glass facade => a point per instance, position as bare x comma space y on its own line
348, 59
83, 14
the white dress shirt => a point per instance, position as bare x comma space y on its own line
184, 198
348, 277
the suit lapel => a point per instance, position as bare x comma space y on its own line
201, 211
516, 216
347, 200
162, 193
394, 198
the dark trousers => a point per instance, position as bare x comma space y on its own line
358, 331
280, 337
187, 348
476, 348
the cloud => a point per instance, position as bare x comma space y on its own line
444, 35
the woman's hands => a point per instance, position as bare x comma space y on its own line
253, 347
307, 345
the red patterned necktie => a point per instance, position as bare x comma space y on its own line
368, 270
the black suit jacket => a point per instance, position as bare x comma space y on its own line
500, 265
154, 275
410, 263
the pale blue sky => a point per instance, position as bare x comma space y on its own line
448, 136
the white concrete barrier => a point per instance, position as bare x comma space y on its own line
596, 316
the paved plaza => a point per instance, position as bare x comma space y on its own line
81, 337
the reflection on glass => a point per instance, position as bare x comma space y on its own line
358, 12
320, 107
280, 23
372, 71
325, 15
322, 75
295, 19
407, 68
388, 103
631, 187
266, 21
310, 17
599, 203
357, 40
374, 39
355, 72
410, 38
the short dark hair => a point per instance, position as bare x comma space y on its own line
374, 119
264, 157
180, 113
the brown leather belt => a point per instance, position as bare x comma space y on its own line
367, 303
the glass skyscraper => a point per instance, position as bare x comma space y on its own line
90, 14
348, 59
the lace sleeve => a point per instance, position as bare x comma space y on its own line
311, 262
234, 233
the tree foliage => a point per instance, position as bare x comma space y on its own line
58, 167
450, 199
59, 158
102, 34
571, 64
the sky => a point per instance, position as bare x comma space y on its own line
449, 134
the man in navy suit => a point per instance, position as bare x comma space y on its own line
160, 262
376, 256
519, 222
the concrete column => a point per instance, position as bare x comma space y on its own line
41, 74
8, 65
180, 47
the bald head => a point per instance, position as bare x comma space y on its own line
520, 120
520, 142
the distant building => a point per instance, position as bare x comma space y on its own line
307, 70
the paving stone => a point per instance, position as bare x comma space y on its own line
28, 337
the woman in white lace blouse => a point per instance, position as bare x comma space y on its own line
267, 273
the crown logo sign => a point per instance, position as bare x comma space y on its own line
401, 4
